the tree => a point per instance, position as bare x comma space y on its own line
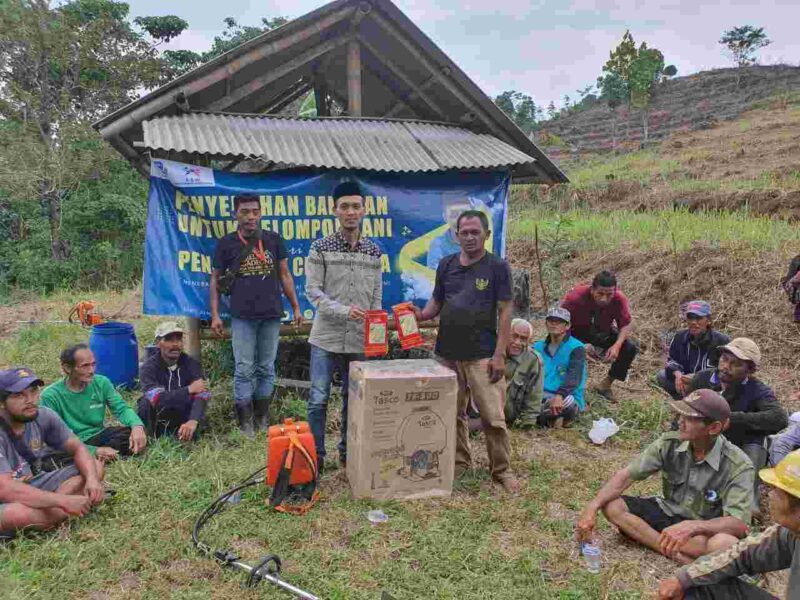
181, 61
621, 58
520, 108
614, 92
552, 111
743, 42
61, 67
629, 76
645, 71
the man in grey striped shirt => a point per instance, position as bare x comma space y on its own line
343, 281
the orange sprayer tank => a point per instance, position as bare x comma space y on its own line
278, 445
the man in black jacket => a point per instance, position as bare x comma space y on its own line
755, 412
175, 391
692, 349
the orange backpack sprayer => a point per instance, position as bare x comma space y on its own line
292, 467
291, 470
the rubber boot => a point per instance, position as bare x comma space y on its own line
245, 416
261, 414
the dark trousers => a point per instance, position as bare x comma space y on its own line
730, 589
117, 438
619, 368
162, 421
667, 384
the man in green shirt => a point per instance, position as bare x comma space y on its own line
81, 399
707, 485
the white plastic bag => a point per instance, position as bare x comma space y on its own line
602, 430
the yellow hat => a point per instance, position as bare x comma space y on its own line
786, 475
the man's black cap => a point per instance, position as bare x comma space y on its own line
347, 188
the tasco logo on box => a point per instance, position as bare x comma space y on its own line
386, 397
421, 396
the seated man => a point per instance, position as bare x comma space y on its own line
755, 412
564, 370
601, 319
692, 349
774, 549
707, 483
175, 391
30, 497
81, 399
523, 377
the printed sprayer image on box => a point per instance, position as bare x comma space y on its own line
401, 429
421, 440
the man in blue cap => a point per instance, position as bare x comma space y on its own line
29, 496
692, 349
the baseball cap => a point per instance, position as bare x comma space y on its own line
743, 349
17, 379
706, 404
167, 327
556, 312
701, 308
786, 475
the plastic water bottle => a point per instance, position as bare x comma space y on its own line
591, 554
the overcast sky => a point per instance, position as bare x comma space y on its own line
545, 48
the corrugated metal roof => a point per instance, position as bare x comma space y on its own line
333, 143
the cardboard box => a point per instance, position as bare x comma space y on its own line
401, 429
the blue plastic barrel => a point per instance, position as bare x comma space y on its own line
116, 351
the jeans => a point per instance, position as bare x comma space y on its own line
255, 346
323, 364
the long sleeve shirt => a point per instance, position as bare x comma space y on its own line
689, 354
755, 412
168, 388
524, 391
774, 549
338, 276
784, 443
84, 412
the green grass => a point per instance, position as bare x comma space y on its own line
642, 166
664, 229
477, 544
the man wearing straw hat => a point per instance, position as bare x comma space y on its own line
707, 483
776, 548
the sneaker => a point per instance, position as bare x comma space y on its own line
510, 485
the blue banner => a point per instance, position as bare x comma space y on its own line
408, 215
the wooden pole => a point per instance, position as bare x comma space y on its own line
191, 338
354, 78
288, 330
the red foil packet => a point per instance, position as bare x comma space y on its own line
407, 327
376, 333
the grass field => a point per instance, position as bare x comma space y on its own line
477, 544
675, 230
